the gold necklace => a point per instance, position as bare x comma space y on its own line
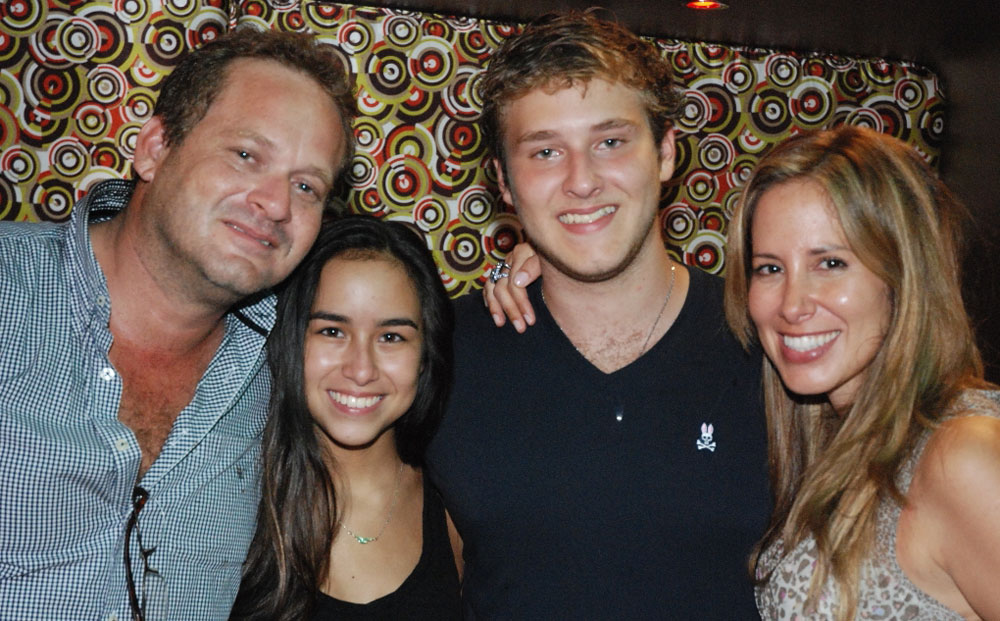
388, 518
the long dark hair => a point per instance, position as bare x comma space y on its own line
296, 522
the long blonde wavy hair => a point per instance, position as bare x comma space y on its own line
829, 472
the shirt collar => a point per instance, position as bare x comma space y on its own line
89, 288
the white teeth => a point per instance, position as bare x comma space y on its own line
586, 218
812, 341
262, 242
354, 402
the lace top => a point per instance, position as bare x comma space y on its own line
885, 592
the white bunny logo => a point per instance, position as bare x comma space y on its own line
706, 441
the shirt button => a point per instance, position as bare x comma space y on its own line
121, 444
102, 300
107, 374
113, 616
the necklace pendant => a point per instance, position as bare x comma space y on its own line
388, 518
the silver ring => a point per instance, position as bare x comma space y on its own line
498, 272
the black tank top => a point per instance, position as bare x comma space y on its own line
431, 591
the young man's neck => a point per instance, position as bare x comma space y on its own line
613, 322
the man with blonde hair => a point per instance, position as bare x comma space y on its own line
611, 462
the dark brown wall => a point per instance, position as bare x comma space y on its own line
971, 165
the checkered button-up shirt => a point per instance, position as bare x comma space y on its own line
68, 465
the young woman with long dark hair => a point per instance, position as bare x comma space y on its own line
361, 360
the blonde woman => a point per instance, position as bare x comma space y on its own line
884, 439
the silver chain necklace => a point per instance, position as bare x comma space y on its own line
670, 291
388, 518
652, 329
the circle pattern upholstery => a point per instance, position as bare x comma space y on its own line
79, 79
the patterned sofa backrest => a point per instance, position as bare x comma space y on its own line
78, 83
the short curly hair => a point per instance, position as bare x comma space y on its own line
189, 90
559, 50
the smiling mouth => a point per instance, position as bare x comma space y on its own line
808, 342
587, 218
263, 242
354, 402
